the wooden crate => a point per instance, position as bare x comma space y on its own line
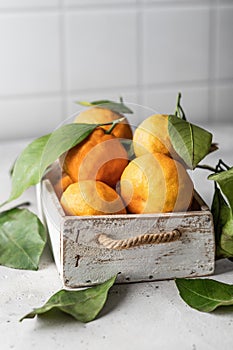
82, 259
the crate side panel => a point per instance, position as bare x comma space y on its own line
86, 262
53, 218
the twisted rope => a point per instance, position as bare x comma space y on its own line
147, 238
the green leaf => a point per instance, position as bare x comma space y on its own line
223, 225
221, 213
204, 294
128, 145
22, 239
42, 152
191, 142
118, 107
83, 305
27, 167
225, 181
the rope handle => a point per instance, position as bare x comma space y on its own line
154, 238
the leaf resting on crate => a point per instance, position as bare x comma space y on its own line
38, 155
205, 294
83, 305
22, 239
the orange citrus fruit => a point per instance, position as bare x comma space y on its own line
152, 136
98, 115
91, 198
62, 183
154, 184
99, 157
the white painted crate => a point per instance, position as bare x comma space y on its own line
82, 261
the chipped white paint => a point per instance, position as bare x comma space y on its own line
82, 261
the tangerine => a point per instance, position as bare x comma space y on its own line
91, 198
99, 115
99, 157
154, 184
152, 136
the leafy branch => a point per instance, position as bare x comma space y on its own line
179, 112
221, 166
117, 107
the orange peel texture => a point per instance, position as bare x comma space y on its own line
91, 198
98, 115
99, 157
155, 184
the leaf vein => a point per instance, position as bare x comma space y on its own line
17, 245
205, 297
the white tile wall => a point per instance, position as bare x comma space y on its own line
194, 101
29, 59
224, 43
175, 48
97, 2
55, 51
101, 49
223, 99
12, 4
29, 117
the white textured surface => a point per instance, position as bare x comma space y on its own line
137, 316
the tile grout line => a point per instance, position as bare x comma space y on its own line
62, 61
139, 51
101, 6
212, 62
128, 88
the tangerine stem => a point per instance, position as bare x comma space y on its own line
224, 164
114, 123
206, 167
179, 108
217, 169
177, 111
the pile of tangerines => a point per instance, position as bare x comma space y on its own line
98, 178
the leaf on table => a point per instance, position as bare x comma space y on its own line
225, 182
118, 107
205, 294
42, 152
22, 239
223, 225
191, 142
83, 305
